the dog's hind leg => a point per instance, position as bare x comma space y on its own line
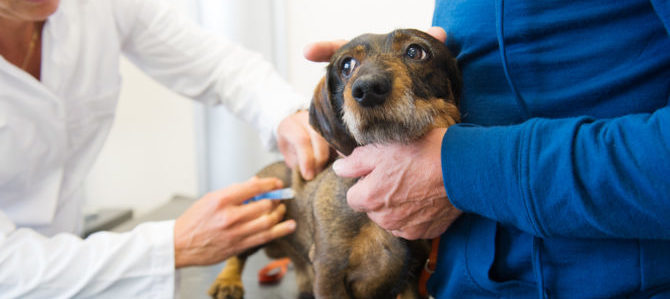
228, 284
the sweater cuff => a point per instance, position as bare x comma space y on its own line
481, 170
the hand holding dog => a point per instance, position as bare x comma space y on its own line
219, 226
401, 187
301, 146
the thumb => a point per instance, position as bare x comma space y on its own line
238, 193
438, 33
305, 163
359, 163
322, 51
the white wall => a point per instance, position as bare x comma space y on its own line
155, 149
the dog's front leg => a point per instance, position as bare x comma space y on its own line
228, 283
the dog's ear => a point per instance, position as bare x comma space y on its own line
326, 119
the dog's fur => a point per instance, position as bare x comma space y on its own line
378, 89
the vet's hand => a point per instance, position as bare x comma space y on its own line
301, 145
321, 51
401, 187
219, 226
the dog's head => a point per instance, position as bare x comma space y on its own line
382, 88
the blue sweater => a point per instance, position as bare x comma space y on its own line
562, 162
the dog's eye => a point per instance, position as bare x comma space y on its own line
348, 66
416, 52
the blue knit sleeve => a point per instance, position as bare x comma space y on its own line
574, 177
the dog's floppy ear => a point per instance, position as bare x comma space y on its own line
326, 119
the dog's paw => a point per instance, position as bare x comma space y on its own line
226, 290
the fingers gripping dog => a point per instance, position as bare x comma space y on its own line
377, 89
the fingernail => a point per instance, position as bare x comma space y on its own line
309, 175
337, 166
290, 224
281, 209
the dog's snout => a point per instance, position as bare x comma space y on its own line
371, 90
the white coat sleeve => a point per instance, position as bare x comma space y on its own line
176, 52
137, 264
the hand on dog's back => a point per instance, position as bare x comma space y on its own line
302, 147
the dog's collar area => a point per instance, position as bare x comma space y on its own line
429, 267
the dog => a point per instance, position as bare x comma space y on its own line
377, 89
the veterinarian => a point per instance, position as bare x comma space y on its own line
560, 169
59, 85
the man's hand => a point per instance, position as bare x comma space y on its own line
219, 226
301, 145
401, 187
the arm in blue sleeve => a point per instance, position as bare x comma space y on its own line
574, 177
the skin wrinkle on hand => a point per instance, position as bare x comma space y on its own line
400, 217
394, 221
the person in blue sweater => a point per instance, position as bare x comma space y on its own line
557, 182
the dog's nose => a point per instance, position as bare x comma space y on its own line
371, 90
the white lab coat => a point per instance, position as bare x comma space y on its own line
51, 133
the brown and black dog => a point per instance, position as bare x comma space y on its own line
378, 89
